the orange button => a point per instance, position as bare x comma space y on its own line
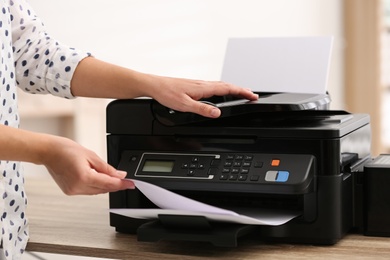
275, 162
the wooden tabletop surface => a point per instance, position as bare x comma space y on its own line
79, 225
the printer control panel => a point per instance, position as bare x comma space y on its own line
219, 167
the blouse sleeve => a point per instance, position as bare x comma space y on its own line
42, 65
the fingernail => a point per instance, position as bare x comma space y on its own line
122, 173
215, 112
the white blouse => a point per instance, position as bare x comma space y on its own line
36, 63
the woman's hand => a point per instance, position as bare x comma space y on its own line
78, 170
183, 94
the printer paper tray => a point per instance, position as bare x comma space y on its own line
171, 203
262, 217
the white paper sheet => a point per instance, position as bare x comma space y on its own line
171, 203
281, 64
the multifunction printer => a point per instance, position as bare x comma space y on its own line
285, 151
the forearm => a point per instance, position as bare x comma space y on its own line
20, 145
95, 78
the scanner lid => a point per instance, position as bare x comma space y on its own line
231, 107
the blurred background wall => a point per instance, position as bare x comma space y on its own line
180, 38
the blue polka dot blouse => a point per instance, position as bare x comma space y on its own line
36, 63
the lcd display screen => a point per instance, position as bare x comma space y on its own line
157, 166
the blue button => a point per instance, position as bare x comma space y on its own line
282, 176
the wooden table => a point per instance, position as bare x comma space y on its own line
79, 225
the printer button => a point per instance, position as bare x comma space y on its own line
237, 164
223, 177
271, 175
228, 164
282, 176
191, 173
239, 157
229, 157
246, 164
248, 157
242, 177
255, 178
233, 177
185, 166
258, 164
275, 162
235, 170
244, 171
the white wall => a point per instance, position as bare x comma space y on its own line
187, 38
182, 38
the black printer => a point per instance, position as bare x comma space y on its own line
284, 151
